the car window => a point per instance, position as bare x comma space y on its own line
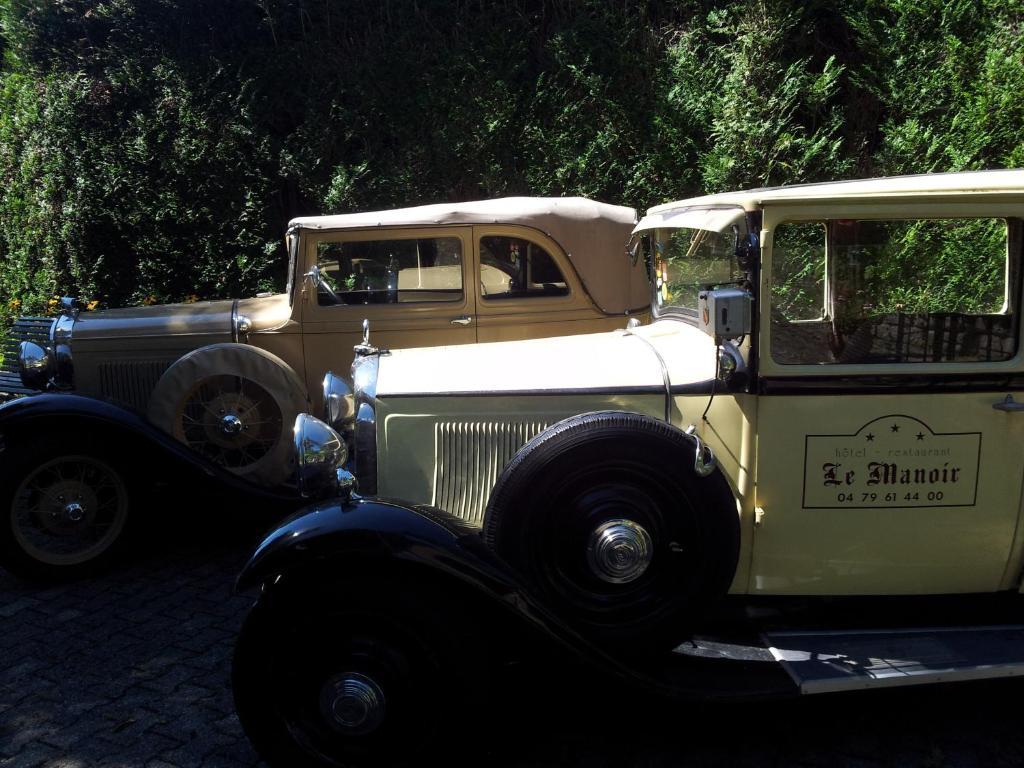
390, 271
894, 291
687, 261
512, 267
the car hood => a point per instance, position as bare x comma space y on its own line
203, 318
617, 361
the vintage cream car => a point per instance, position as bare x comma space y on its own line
228, 377
827, 404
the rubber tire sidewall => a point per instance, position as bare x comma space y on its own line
244, 361
14, 470
303, 608
529, 486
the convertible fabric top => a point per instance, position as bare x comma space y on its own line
594, 236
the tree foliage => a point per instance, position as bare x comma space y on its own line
155, 149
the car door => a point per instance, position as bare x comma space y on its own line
890, 444
527, 288
412, 284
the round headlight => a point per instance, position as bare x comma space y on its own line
339, 402
320, 452
35, 365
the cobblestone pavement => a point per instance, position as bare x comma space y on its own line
132, 669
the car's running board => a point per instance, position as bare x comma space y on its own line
824, 662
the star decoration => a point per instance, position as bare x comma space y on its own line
895, 427
870, 437
920, 435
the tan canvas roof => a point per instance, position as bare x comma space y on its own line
1004, 183
593, 234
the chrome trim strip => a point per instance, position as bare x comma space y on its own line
62, 329
364, 381
664, 372
365, 449
364, 377
60, 345
234, 321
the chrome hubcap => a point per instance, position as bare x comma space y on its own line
619, 551
74, 512
230, 424
353, 703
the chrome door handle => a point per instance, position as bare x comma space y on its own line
466, 320
1009, 404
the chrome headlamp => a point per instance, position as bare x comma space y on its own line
320, 453
50, 366
35, 365
339, 403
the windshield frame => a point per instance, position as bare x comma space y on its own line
716, 218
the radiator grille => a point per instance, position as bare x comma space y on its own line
131, 382
469, 457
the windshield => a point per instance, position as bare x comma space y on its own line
687, 260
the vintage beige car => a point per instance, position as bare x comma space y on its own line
804, 476
228, 377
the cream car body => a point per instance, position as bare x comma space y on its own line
878, 475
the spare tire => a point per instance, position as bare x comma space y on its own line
606, 520
234, 404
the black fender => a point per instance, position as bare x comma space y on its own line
379, 530
66, 415
365, 535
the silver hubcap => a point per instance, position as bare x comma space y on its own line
231, 420
74, 512
353, 703
231, 424
619, 551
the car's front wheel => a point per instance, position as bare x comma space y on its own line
65, 510
605, 517
353, 677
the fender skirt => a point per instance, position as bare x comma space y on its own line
389, 531
71, 415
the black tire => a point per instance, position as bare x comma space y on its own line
65, 507
405, 644
589, 473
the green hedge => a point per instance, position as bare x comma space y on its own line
152, 150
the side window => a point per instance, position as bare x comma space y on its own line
391, 271
798, 271
511, 267
898, 291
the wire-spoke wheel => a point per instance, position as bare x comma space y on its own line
64, 513
234, 404
231, 420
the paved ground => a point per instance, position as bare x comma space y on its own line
132, 670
